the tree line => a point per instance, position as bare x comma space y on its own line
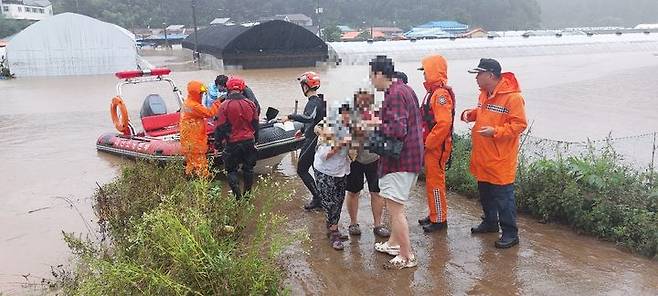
493, 15
489, 14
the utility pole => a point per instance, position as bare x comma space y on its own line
196, 44
164, 26
318, 12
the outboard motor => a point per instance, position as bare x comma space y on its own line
153, 105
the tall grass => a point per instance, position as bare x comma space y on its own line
170, 236
594, 192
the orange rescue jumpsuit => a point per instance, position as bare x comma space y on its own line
437, 109
193, 136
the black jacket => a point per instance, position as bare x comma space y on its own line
249, 94
314, 111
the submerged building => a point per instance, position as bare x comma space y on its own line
272, 44
71, 44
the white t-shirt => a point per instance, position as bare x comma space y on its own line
337, 165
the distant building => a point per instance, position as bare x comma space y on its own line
451, 27
26, 9
226, 21
349, 36
387, 32
176, 29
427, 33
475, 33
344, 29
437, 29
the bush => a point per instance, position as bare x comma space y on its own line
171, 236
458, 176
594, 192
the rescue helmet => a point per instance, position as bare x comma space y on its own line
310, 79
235, 83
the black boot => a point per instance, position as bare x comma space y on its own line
507, 242
432, 227
484, 228
424, 221
313, 205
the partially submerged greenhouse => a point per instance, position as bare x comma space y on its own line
272, 44
71, 44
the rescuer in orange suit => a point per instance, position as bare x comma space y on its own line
193, 136
438, 111
499, 121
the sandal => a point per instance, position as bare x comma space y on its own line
341, 235
381, 231
400, 262
354, 229
386, 248
335, 241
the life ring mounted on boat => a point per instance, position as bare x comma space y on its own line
119, 114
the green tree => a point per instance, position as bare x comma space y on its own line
331, 33
364, 35
10, 26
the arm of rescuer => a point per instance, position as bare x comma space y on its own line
307, 117
516, 121
469, 115
200, 111
249, 94
442, 106
221, 130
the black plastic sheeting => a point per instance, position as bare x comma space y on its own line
273, 44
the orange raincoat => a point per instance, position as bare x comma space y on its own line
193, 136
494, 160
438, 110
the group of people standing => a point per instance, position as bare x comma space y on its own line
390, 145
236, 120
387, 146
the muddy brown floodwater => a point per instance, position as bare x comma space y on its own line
49, 168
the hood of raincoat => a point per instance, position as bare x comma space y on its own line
436, 72
195, 90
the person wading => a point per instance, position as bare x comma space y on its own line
237, 124
193, 135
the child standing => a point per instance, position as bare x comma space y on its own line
331, 166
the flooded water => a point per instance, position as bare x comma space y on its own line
49, 168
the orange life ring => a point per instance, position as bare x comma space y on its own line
120, 123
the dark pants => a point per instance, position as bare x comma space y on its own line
332, 192
357, 171
499, 207
240, 153
306, 157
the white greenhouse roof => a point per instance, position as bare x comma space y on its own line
71, 44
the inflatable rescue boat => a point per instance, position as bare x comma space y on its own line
159, 136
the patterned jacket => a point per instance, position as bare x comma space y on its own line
401, 119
